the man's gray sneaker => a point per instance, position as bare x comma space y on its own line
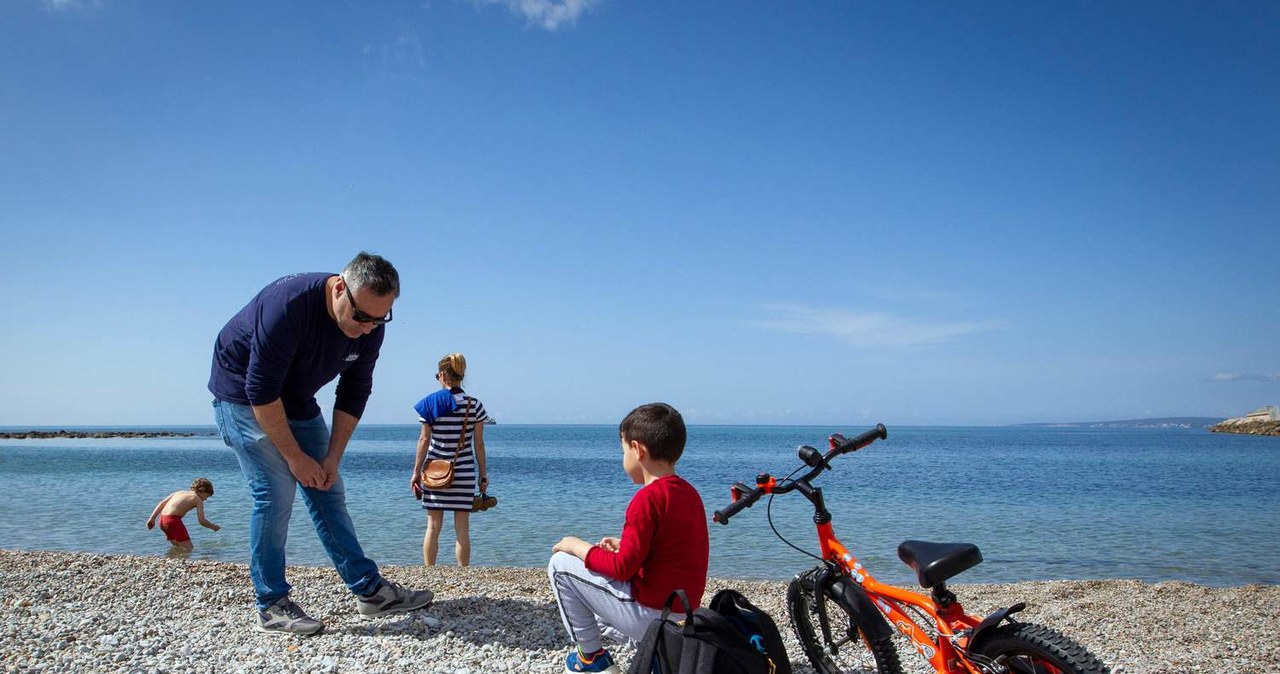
286, 617
391, 598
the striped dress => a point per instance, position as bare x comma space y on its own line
444, 442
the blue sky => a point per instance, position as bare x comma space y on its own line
787, 212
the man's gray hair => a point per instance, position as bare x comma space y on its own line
373, 272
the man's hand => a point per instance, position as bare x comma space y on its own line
307, 471
330, 467
151, 523
574, 546
608, 543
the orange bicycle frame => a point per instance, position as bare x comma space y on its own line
941, 654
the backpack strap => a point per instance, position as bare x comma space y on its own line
684, 601
660, 649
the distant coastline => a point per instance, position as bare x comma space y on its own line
1161, 422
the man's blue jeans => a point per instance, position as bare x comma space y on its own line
273, 486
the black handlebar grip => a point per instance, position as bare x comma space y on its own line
877, 433
745, 501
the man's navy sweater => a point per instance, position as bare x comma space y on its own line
283, 344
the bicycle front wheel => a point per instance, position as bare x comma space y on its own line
1035, 649
848, 649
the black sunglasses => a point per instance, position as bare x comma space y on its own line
360, 316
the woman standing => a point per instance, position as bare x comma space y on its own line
452, 429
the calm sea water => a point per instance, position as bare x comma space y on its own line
1040, 503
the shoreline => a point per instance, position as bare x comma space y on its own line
85, 612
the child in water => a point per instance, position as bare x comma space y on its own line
176, 505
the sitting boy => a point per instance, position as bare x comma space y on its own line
618, 586
175, 506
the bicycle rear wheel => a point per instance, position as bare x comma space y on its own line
848, 650
1026, 648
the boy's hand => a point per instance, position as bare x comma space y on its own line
214, 526
608, 543
572, 545
151, 523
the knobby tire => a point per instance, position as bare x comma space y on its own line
856, 655
1041, 650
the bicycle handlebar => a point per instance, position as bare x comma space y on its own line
744, 497
877, 433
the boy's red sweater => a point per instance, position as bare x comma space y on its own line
664, 544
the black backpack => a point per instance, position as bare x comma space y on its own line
730, 637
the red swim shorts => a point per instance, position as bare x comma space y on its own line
174, 529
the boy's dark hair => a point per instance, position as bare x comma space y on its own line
657, 426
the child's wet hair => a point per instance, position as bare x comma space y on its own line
202, 484
657, 426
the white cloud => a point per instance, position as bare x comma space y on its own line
867, 328
548, 14
404, 54
65, 5
1235, 376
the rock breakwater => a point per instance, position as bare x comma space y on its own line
1262, 421
47, 435
1248, 428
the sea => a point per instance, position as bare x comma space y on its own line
1041, 503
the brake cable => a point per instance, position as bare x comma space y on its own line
769, 515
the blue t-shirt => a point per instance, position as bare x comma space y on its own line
283, 344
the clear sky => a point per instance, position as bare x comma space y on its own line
760, 212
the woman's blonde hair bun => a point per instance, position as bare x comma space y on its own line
454, 367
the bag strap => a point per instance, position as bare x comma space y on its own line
684, 601
462, 434
661, 651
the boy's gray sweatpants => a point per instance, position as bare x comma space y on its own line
594, 606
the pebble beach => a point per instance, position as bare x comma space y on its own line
77, 612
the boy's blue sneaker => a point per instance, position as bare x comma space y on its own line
600, 661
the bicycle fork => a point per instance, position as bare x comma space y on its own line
821, 583
830, 581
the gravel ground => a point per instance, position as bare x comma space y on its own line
74, 612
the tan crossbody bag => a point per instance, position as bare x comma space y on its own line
437, 475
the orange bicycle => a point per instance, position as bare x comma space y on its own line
842, 614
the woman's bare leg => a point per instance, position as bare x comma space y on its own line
462, 531
431, 540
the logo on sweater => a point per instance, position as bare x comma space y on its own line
352, 356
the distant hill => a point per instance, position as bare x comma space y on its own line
1163, 422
